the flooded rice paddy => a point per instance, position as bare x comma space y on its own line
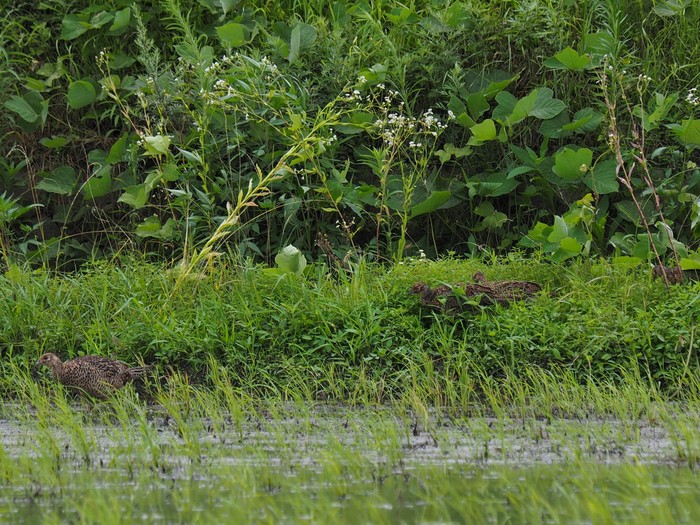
295, 464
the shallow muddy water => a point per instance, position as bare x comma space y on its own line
344, 465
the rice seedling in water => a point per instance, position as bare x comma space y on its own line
349, 465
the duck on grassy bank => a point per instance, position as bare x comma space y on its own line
671, 275
507, 291
91, 374
452, 298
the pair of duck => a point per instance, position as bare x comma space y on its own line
451, 298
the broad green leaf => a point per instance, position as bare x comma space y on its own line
478, 105
459, 110
38, 103
485, 209
602, 178
430, 204
302, 38
72, 27
457, 15
692, 263
519, 171
61, 180
628, 211
291, 260
402, 15
296, 121
585, 120
374, 75
555, 128
523, 108
626, 262
524, 155
121, 61
121, 21
496, 86
97, 157
54, 142
537, 235
688, 132
118, 150
495, 184
494, 221
539, 103
190, 54
560, 230
81, 93
572, 165
170, 172
506, 105
191, 156
358, 122
662, 105
135, 196
456, 106
97, 185
156, 145
545, 105
568, 59
151, 227
153, 178
671, 7
642, 249
599, 43
449, 150
101, 19
568, 248
233, 34
483, 132
228, 5
22, 108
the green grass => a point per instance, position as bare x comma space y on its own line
358, 337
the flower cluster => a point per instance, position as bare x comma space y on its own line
218, 65
395, 128
692, 97
330, 140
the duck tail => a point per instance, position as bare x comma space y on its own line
138, 371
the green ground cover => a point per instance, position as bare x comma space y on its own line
330, 334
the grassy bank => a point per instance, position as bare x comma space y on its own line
358, 334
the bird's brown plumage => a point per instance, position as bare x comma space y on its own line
672, 275
453, 298
508, 291
94, 375
441, 297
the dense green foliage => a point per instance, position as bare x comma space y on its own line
328, 337
388, 127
